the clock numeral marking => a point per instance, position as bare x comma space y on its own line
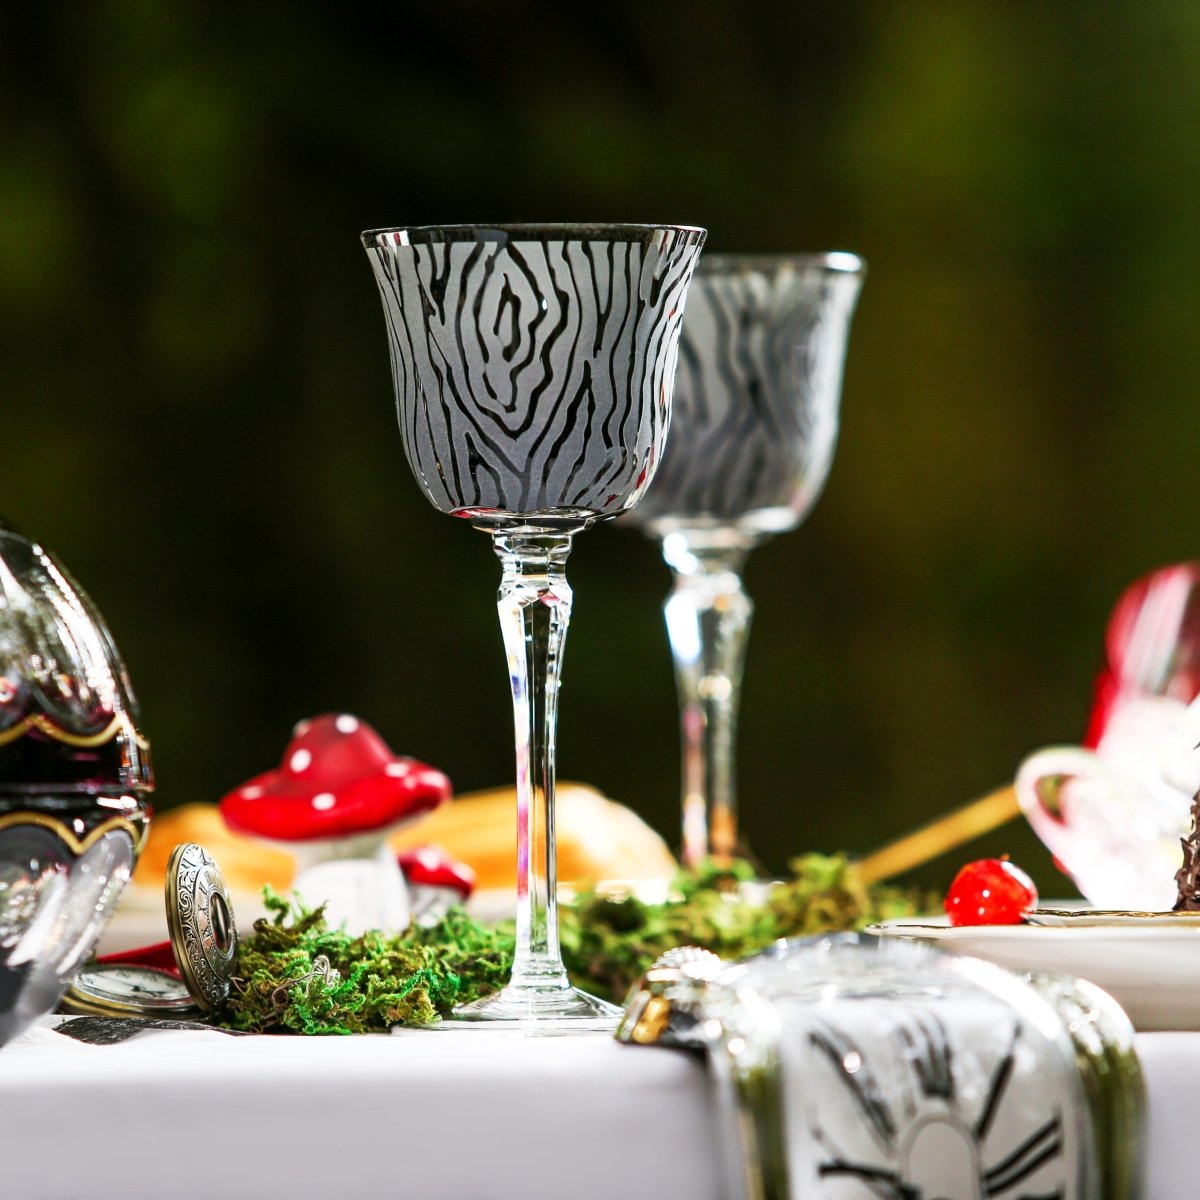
999, 1083
1037, 1150
884, 1183
859, 1078
928, 1050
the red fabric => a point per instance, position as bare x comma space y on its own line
159, 955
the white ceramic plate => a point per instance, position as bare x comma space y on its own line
1149, 963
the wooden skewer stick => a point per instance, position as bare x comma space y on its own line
927, 843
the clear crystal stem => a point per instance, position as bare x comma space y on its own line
535, 608
708, 619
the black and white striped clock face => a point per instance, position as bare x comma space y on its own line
533, 369
933, 1098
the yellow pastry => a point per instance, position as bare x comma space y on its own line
597, 839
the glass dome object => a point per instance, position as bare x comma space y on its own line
851, 1065
74, 774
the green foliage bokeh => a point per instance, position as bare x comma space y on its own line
195, 395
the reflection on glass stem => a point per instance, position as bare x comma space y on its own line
708, 619
534, 604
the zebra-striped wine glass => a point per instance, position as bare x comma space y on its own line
533, 367
752, 438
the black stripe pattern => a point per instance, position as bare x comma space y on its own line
533, 366
756, 400
934, 1098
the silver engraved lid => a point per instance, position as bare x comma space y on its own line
200, 920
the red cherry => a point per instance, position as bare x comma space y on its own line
991, 891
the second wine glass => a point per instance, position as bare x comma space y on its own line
753, 431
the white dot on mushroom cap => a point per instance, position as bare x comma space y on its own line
300, 760
251, 793
323, 801
346, 724
396, 768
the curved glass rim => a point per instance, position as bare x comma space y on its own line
8, 529
539, 231
840, 261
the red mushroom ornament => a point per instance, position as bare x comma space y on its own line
331, 803
436, 882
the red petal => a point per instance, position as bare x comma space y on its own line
1153, 635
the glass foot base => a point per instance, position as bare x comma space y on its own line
534, 1012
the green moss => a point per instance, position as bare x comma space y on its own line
286, 981
298, 976
607, 943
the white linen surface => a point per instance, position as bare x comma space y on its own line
461, 1116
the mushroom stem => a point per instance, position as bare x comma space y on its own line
429, 904
310, 852
356, 877
534, 605
359, 892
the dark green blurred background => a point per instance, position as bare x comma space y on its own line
197, 413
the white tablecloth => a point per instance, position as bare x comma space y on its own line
459, 1116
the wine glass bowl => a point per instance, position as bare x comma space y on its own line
755, 417
533, 365
533, 368
753, 433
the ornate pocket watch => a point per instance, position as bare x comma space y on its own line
186, 975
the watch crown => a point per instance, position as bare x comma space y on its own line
664, 1005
